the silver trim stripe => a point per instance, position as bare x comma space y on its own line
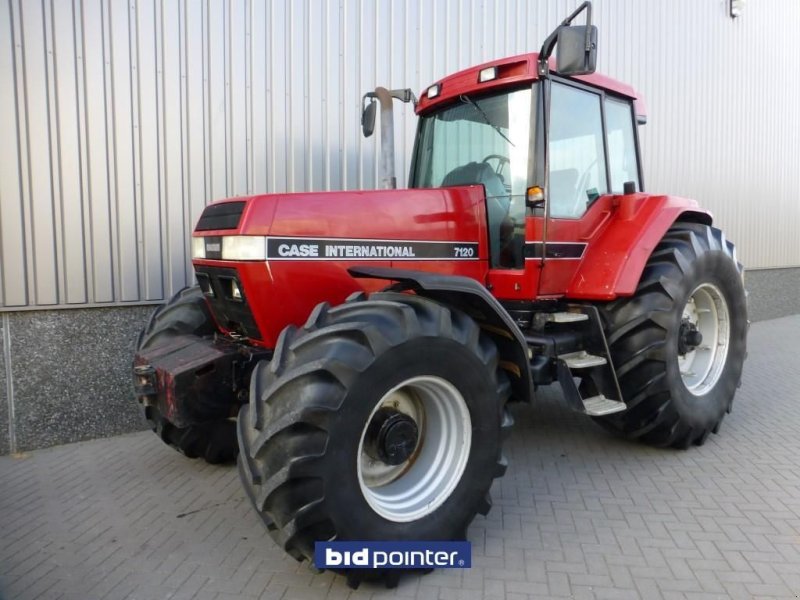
280, 248
240, 248
555, 250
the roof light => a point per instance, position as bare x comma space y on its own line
487, 74
433, 91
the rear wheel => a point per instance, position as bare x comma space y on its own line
380, 419
186, 313
678, 344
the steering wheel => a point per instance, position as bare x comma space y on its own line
499, 169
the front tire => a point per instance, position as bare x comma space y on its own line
380, 419
679, 343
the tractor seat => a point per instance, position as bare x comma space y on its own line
477, 174
497, 199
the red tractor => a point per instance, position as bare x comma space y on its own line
369, 341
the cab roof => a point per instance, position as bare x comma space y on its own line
510, 71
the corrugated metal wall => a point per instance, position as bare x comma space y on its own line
120, 120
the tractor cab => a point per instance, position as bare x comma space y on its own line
550, 142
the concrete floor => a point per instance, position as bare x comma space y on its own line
579, 514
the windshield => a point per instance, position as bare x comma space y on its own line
483, 141
494, 130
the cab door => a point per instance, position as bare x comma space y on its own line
592, 152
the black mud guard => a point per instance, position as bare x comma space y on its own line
475, 300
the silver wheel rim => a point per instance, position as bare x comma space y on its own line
702, 366
421, 484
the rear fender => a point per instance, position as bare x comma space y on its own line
614, 260
475, 300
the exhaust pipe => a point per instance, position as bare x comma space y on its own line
388, 180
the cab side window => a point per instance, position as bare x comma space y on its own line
621, 145
577, 152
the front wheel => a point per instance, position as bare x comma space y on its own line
381, 419
678, 344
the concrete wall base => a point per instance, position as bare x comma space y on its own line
65, 376
773, 293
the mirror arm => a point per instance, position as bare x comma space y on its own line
550, 40
404, 95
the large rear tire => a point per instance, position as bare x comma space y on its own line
186, 313
679, 343
380, 419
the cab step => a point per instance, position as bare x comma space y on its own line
582, 360
599, 406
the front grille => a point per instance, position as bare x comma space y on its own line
230, 313
225, 215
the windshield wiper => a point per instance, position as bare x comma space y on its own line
468, 100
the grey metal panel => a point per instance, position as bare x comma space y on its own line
218, 103
195, 136
147, 142
13, 281
68, 195
38, 184
94, 99
125, 186
172, 148
121, 120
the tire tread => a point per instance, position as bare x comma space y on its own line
636, 331
321, 359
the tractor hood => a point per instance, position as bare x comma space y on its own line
267, 261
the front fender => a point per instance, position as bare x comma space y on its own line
471, 297
614, 260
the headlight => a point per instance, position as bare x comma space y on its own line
244, 247
233, 247
198, 247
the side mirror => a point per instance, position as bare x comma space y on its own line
572, 56
368, 117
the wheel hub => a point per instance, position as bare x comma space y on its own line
392, 437
703, 339
414, 448
689, 337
